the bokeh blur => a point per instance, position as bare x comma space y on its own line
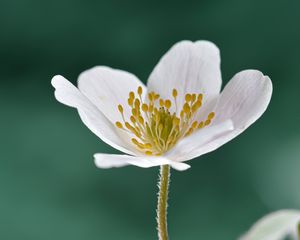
49, 186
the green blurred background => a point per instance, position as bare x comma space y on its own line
49, 186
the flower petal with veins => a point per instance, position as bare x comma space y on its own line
106, 88
68, 94
188, 66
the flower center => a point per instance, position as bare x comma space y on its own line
156, 130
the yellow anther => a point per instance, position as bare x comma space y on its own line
140, 90
186, 108
131, 95
132, 119
136, 142
130, 101
134, 112
194, 108
120, 108
211, 115
137, 103
141, 120
194, 124
161, 102
174, 93
189, 132
127, 124
156, 96
207, 122
168, 103
148, 145
136, 133
148, 153
200, 96
119, 125
150, 96
201, 124
199, 103
188, 97
145, 107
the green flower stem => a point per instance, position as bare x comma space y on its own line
162, 203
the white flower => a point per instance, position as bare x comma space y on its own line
276, 226
180, 115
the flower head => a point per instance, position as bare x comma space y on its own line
180, 115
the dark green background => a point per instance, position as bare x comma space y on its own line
49, 186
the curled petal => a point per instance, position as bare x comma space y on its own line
244, 99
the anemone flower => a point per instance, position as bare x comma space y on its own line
180, 115
276, 226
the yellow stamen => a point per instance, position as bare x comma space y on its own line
120, 108
141, 120
137, 103
168, 103
119, 125
131, 95
132, 119
174, 93
140, 90
194, 125
155, 129
186, 108
130, 101
211, 115
161, 102
148, 153
145, 107
200, 96
188, 97
207, 122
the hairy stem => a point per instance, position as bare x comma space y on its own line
162, 202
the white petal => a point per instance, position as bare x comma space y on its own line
106, 88
244, 99
68, 94
114, 160
195, 144
192, 67
275, 226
